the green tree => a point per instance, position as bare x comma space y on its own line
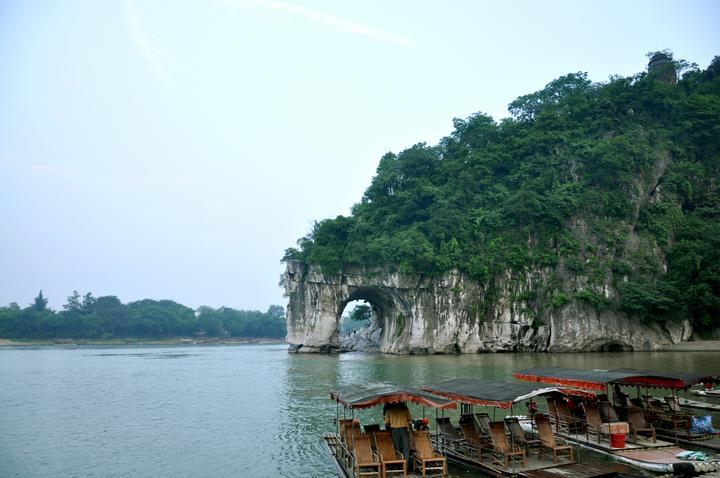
361, 313
40, 302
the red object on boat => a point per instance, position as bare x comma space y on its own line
617, 440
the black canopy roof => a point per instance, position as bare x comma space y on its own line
366, 396
493, 393
599, 379
680, 379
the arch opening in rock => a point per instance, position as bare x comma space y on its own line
614, 347
358, 328
361, 321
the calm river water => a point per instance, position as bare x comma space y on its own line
217, 411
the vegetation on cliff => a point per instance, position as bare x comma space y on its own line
614, 183
88, 317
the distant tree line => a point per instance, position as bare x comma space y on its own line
106, 317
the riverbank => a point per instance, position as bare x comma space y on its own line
696, 346
130, 341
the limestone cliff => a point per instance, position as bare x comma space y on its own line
421, 315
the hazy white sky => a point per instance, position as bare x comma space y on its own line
174, 149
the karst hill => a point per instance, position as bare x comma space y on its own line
589, 220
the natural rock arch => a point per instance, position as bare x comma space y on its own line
448, 314
317, 300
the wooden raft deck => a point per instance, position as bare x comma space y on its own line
578, 470
534, 466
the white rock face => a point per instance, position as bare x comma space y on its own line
417, 314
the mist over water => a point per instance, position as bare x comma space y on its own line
218, 411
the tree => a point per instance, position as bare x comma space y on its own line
73, 302
40, 302
361, 313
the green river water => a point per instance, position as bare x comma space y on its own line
215, 411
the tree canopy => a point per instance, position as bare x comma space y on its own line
614, 181
106, 317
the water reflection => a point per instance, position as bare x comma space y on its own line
216, 411
309, 378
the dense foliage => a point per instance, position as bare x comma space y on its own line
88, 317
615, 182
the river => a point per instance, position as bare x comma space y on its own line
215, 411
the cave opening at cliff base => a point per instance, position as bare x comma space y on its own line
614, 346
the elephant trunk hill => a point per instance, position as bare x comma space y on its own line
589, 220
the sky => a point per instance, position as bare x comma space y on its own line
173, 149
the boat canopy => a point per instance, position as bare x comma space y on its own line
678, 380
598, 380
492, 393
359, 396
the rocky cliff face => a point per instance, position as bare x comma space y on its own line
421, 315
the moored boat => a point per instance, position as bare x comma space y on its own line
603, 426
687, 403
364, 450
501, 447
711, 392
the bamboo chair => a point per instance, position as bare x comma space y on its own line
502, 447
653, 405
518, 435
426, 457
367, 463
482, 425
453, 438
567, 419
674, 406
349, 429
392, 462
474, 438
608, 413
372, 428
639, 425
663, 418
552, 409
547, 439
621, 399
594, 420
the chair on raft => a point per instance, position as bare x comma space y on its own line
518, 434
349, 429
453, 439
665, 419
392, 462
470, 432
638, 424
608, 413
674, 406
567, 419
553, 412
548, 441
501, 446
594, 420
367, 463
426, 458
482, 425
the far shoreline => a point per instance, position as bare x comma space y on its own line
137, 341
